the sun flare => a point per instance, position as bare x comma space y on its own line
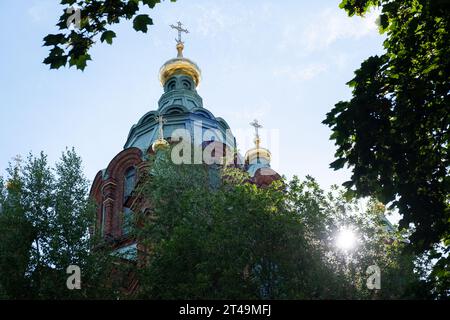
346, 239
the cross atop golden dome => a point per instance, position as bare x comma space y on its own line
180, 43
257, 126
257, 152
179, 65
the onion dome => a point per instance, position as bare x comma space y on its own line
182, 109
179, 65
257, 154
258, 162
160, 144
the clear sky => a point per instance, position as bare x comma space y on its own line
283, 62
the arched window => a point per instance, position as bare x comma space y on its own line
129, 183
186, 85
172, 85
174, 110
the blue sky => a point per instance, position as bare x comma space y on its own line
283, 62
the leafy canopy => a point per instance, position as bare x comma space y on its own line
71, 46
210, 238
45, 216
394, 132
208, 234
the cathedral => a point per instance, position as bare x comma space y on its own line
180, 114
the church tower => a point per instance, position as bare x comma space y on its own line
180, 110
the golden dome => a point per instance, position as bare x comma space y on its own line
257, 152
160, 144
179, 65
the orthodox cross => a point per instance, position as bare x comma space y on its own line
257, 126
161, 121
179, 28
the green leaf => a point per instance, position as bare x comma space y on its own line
79, 62
108, 36
150, 3
447, 242
349, 194
383, 22
56, 58
338, 164
141, 22
54, 39
348, 184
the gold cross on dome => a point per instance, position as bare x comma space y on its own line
257, 126
179, 28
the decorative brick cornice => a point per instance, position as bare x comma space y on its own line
95, 191
120, 163
109, 189
108, 202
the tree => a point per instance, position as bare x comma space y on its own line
228, 240
84, 20
16, 237
394, 132
45, 218
220, 237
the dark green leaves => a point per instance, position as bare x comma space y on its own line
44, 223
394, 132
229, 241
383, 22
74, 42
56, 58
141, 22
338, 164
151, 3
358, 7
54, 39
108, 36
80, 61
